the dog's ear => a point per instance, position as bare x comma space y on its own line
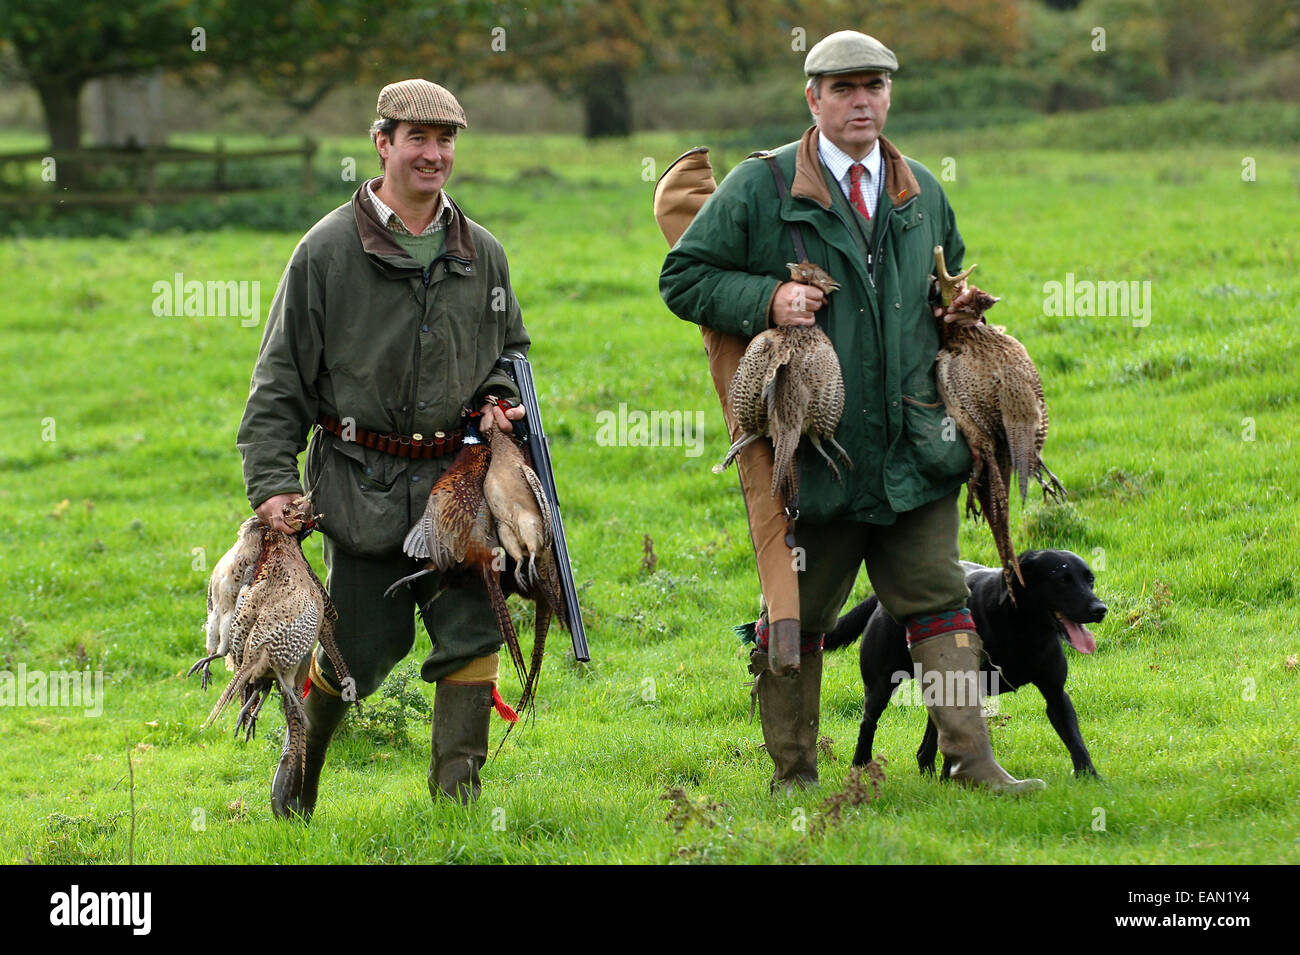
1005, 604
1034, 562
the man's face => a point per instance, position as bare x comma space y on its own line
418, 159
851, 110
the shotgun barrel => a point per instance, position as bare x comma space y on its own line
532, 433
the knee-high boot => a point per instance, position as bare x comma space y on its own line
461, 717
789, 710
952, 698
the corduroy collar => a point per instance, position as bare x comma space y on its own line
900, 184
377, 239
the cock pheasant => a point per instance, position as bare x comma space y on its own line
489, 506
789, 384
990, 387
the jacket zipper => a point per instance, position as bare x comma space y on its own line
415, 372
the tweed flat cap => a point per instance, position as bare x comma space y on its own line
419, 101
849, 52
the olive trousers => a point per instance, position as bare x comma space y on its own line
374, 633
913, 564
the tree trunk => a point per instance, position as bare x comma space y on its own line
126, 111
605, 101
60, 100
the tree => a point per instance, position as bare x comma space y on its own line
297, 50
593, 49
59, 47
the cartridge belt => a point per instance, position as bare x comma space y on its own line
401, 445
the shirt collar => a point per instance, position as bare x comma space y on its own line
394, 222
838, 161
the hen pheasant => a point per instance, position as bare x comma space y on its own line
990, 387
789, 384
231, 575
489, 506
280, 612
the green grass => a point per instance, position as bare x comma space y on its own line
1187, 707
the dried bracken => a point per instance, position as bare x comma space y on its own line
649, 561
826, 746
861, 787
686, 810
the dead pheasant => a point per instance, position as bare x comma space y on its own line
279, 615
522, 517
233, 572
788, 384
489, 503
991, 388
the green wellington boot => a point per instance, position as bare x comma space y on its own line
954, 705
789, 711
461, 717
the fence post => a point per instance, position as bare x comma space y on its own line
308, 154
219, 181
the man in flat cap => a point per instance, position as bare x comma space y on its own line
871, 218
384, 332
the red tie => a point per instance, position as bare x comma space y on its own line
856, 172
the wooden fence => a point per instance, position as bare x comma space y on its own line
144, 164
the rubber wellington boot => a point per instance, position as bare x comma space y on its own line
789, 708
293, 790
461, 716
953, 700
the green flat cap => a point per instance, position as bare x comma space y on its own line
849, 52
419, 101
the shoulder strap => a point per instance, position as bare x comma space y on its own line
796, 234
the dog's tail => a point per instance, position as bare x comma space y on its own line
851, 625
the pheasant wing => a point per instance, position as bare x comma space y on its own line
442, 534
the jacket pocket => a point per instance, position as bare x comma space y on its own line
938, 448
362, 502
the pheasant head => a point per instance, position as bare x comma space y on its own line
952, 286
298, 514
810, 274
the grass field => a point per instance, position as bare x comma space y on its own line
1178, 440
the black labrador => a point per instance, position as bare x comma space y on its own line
1022, 638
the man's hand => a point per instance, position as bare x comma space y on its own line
493, 417
795, 302
271, 512
959, 310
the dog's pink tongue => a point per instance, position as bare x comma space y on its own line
1081, 637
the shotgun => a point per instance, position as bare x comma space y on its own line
529, 430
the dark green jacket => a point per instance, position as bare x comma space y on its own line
728, 264
357, 330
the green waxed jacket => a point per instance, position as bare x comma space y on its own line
358, 330
726, 267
